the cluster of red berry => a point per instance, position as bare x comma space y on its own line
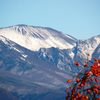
86, 85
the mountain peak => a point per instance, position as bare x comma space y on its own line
36, 37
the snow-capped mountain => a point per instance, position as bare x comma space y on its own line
34, 38
36, 61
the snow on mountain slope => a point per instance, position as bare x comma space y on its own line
35, 38
96, 53
22, 62
87, 47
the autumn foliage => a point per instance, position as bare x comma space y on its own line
86, 85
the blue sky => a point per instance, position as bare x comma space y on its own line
79, 18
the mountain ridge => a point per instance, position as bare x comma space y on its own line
37, 37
